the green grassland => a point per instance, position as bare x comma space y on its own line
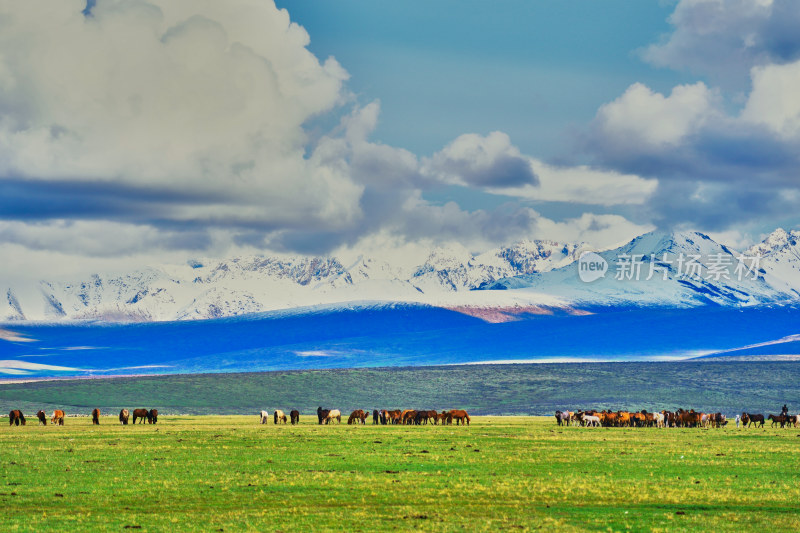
230, 473
522, 389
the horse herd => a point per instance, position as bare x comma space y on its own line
379, 416
16, 417
679, 418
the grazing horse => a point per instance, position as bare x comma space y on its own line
321, 414
123, 417
460, 416
96, 417
356, 416
16, 417
295, 416
141, 414
333, 414
42, 418
749, 419
279, 416
152, 416
58, 417
264, 417
376, 417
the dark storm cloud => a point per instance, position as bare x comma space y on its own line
31, 200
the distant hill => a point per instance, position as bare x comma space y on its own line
522, 389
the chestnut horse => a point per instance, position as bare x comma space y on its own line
58, 417
141, 414
152, 416
15, 417
460, 416
96, 417
42, 418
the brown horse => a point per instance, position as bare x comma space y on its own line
408, 416
141, 414
322, 414
393, 417
96, 417
58, 417
356, 416
460, 416
778, 419
16, 417
750, 419
295, 416
376, 417
42, 418
152, 416
123, 417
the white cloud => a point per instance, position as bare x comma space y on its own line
180, 95
644, 118
154, 129
474, 160
584, 185
724, 39
775, 98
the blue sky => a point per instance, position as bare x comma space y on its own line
531, 69
148, 131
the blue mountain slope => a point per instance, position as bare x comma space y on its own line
400, 335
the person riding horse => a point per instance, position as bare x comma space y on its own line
784, 410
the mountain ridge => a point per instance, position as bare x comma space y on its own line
529, 276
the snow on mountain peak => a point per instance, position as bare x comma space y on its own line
528, 274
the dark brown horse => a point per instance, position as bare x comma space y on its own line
123, 417
295, 416
141, 414
16, 417
376, 417
42, 418
750, 419
778, 419
96, 417
322, 414
152, 416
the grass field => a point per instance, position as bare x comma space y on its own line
501, 473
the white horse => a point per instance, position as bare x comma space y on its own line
264, 417
280, 416
659, 419
334, 413
590, 420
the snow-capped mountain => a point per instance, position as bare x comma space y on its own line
680, 269
243, 285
